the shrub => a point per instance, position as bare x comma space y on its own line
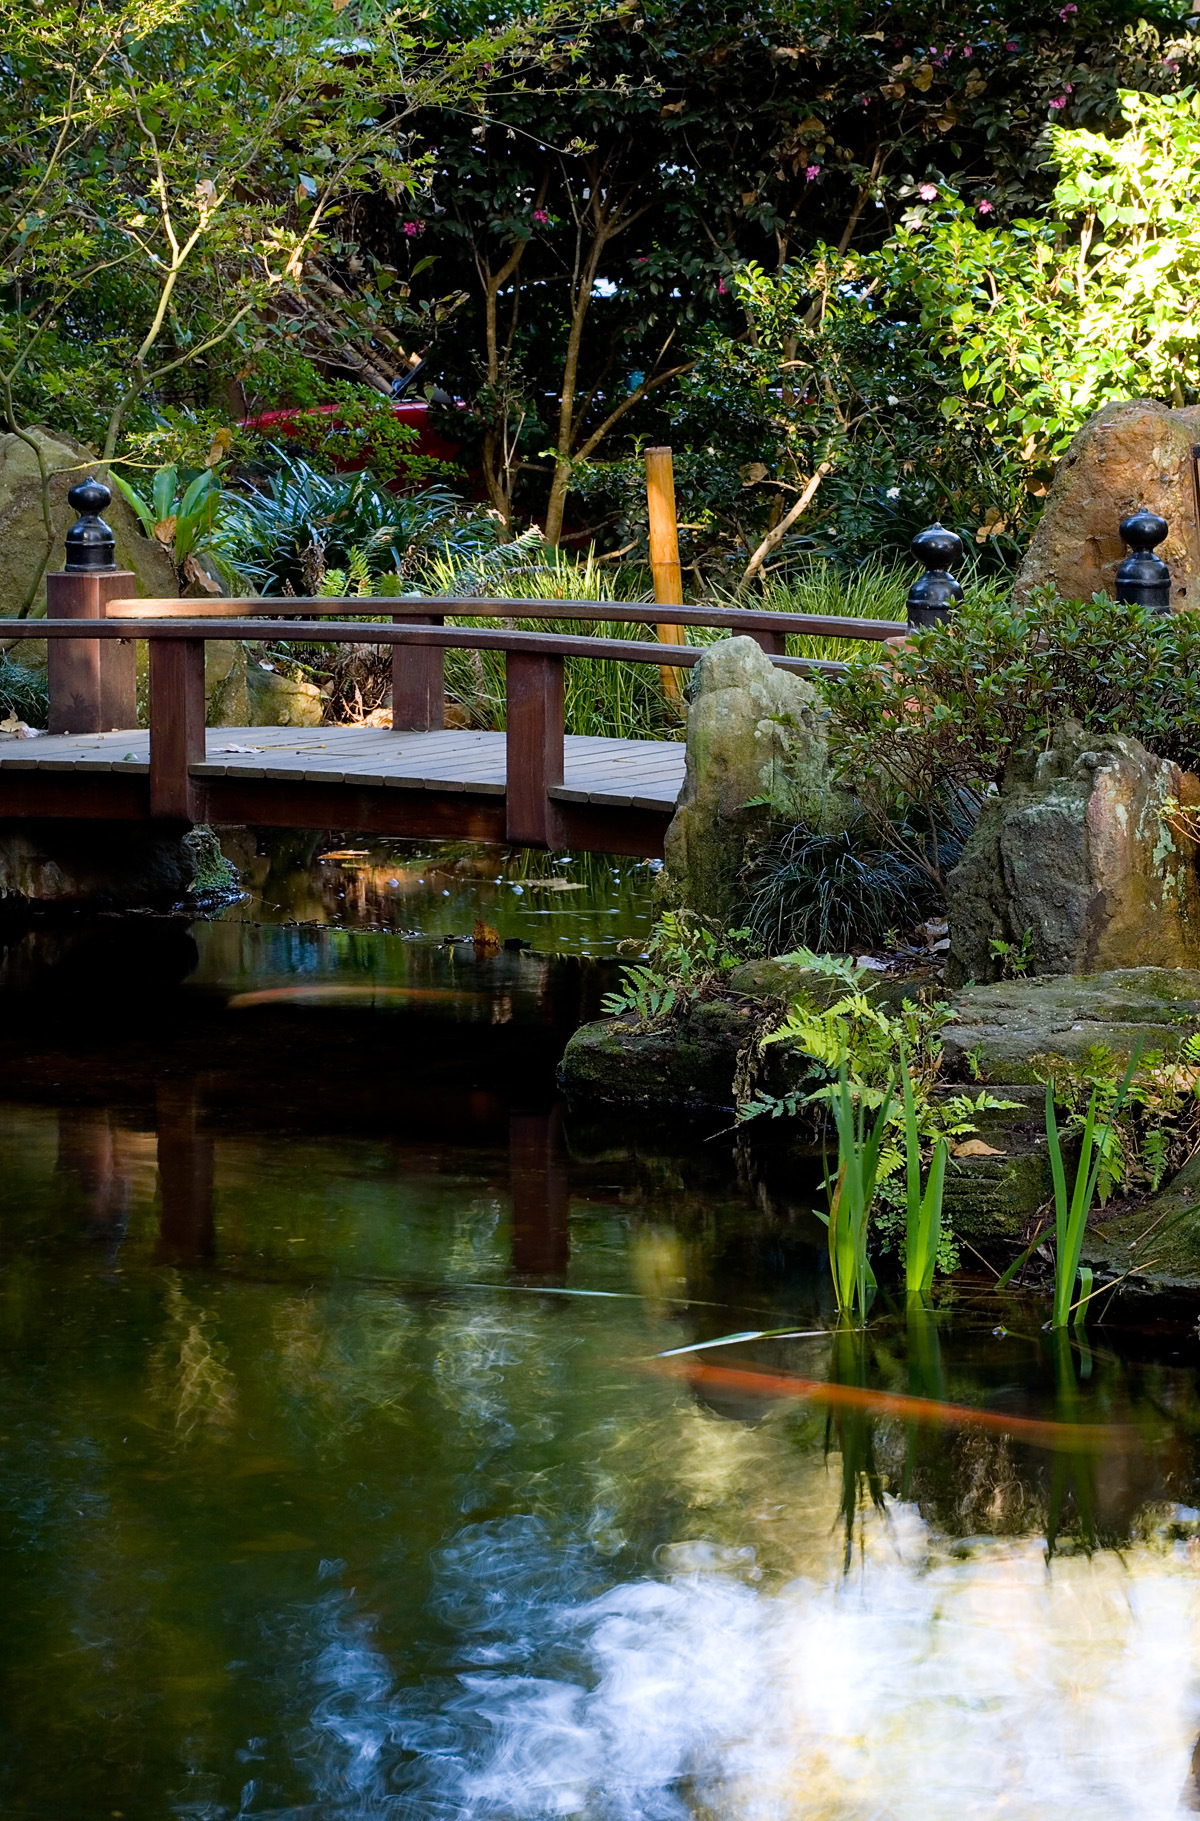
913, 739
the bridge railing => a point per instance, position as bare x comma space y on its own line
534, 682
418, 674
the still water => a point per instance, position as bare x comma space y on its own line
351, 1466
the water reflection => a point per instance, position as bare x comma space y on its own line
343, 1475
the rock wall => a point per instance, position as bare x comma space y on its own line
1076, 850
1126, 456
756, 757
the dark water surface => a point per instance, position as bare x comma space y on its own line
343, 1476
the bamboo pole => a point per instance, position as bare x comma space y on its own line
664, 555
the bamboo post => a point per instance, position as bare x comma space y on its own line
664, 555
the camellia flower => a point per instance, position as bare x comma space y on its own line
1011, 45
984, 207
1059, 101
541, 216
414, 227
1066, 11
927, 192
967, 50
720, 287
813, 170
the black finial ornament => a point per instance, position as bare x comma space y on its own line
1143, 579
90, 542
933, 595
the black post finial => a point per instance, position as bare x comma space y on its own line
1143, 579
90, 542
933, 594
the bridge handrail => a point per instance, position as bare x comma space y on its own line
646, 613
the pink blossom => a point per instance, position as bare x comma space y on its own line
642, 259
984, 207
1059, 101
927, 192
541, 216
1066, 11
966, 50
414, 227
1012, 45
720, 287
813, 170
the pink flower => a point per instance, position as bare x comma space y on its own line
927, 192
813, 170
1066, 11
984, 207
414, 227
720, 287
1011, 45
541, 216
1059, 101
643, 259
966, 50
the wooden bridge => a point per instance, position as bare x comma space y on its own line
532, 785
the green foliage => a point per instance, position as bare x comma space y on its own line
944, 715
853, 1196
180, 513
923, 1228
363, 428
283, 534
23, 694
1146, 1131
838, 891
1045, 320
1071, 1212
685, 959
1014, 957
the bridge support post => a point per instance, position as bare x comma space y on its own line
418, 680
93, 686
176, 726
773, 643
541, 1244
534, 747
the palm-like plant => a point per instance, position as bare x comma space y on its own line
181, 520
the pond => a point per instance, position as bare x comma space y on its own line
363, 1454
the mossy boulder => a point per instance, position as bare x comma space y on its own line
1154, 1247
274, 700
999, 1031
108, 865
684, 1064
1079, 859
756, 757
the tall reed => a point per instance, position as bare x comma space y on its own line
923, 1228
1071, 1211
850, 1205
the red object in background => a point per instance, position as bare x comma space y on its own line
415, 413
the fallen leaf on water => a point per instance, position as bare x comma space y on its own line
485, 938
975, 1147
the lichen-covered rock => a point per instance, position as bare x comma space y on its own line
756, 755
688, 1063
23, 554
278, 701
226, 695
999, 1030
1128, 455
1077, 851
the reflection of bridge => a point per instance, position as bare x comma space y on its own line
532, 784
92, 1156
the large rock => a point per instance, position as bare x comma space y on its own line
1000, 1032
1126, 456
107, 865
23, 554
278, 701
1076, 852
756, 756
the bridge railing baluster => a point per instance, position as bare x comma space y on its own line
177, 738
418, 680
534, 745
